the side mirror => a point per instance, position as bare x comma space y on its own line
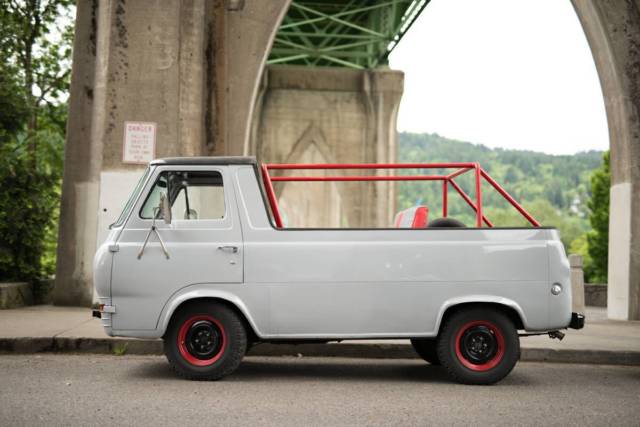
165, 208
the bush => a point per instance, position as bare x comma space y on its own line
29, 199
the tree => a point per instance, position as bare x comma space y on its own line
35, 64
598, 237
35, 39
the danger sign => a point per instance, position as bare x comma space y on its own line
139, 142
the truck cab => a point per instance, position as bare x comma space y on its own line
198, 258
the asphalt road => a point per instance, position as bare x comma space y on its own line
141, 390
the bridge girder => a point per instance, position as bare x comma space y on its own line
344, 33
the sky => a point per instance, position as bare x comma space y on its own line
504, 73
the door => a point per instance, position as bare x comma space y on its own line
203, 243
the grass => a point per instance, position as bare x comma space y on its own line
120, 349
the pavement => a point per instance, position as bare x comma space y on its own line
86, 390
45, 328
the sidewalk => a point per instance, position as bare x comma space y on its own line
64, 329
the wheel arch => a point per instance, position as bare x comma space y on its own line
509, 307
184, 299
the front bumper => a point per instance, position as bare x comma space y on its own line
104, 313
577, 321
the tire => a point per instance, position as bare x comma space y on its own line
426, 349
224, 336
478, 346
446, 223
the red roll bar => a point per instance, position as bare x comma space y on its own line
447, 180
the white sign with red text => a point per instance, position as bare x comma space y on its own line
139, 142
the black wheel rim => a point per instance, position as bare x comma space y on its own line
478, 344
203, 340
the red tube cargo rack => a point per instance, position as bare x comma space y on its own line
448, 180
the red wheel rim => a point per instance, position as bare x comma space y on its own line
466, 346
184, 335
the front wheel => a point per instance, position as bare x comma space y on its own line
478, 346
205, 341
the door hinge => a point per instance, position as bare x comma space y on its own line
114, 248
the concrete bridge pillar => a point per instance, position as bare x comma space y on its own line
329, 115
184, 67
133, 62
612, 28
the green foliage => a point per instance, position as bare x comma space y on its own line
555, 189
35, 64
36, 39
580, 246
29, 198
120, 349
598, 237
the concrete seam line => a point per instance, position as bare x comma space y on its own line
71, 328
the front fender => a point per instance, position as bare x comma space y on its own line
491, 299
198, 291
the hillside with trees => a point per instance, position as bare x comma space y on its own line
556, 189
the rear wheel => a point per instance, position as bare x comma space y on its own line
205, 341
478, 346
426, 349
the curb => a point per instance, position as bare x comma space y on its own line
29, 345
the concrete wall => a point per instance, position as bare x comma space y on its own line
612, 28
329, 115
595, 295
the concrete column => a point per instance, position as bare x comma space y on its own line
247, 29
149, 65
79, 204
192, 67
577, 284
383, 89
612, 28
329, 115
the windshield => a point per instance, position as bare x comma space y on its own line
132, 199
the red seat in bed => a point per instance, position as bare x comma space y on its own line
415, 217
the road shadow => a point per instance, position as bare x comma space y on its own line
282, 369
339, 370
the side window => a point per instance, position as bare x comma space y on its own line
193, 195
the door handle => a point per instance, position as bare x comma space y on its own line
232, 249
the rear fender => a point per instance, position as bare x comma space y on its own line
479, 299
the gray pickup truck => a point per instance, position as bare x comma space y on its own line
196, 259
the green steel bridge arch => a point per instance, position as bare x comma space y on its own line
344, 33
